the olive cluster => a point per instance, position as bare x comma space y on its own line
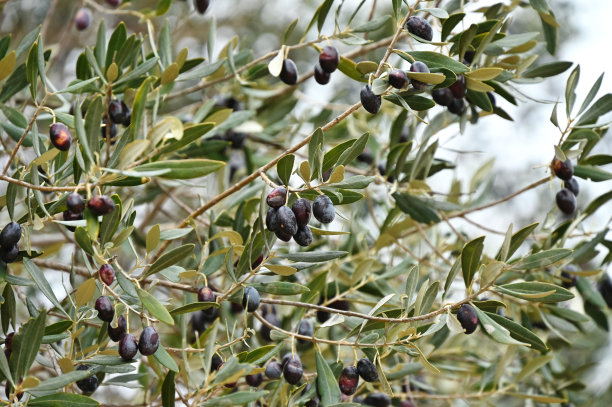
291, 222
328, 63
9, 242
147, 344
118, 113
566, 197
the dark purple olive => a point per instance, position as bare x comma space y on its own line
89, 384
274, 370
563, 169
443, 97
419, 27
467, 318
289, 73
566, 201
320, 75
149, 341
128, 348
305, 329
60, 136
82, 19
201, 5
75, 203
277, 197
105, 309
349, 380
398, 79
107, 274
293, 371
112, 130
377, 400
367, 370
287, 222
303, 236
10, 235
283, 235
458, 88
250, 299
254, 380
116, 333
113, 3
9, 254
272, 219
329, 59
371, 102
117, 112
206, 294
323, 209
100, 205
418, 66
67, 215
457, 106
265, 330
215, 362
573, 186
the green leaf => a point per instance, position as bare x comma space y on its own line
168, 391
82, 238
546, 70
536, 291
592, 93
470, 259
234, 399
542, 259
355, 182
42, 283
82, 135
139, 105
326, 382
349, 68
414, 102
26, 345
313, 257
372, 25
280, 288
284, 168
519, 332
64, 400
169, 258
517, 239
322, 13
354, 150
260, 355
183, 169
435, 60
570, 90
416, 208
450, 23
496, 331
155, 307
163, 357
56, 383
152, 239
602, 106
192, 307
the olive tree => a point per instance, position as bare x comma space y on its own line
185, 225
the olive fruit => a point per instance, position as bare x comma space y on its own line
467, 318
277, 197
89, 384
305, 329
254, 380
443, 97
367, 370
215, 362
10, 235
418, 66
9, 254
283, 235
349, 380
272, 219
289, 73
100, 205
406, 403
250, 299
568, 280
128, 347
302, 210
377, 400
117, 112
198, 322
60, 136
8, 389
566, 201
457, 106
105, 309
82, 19
329, 59
303, 237
323, 209
113, 3
320, 75
107, 274
371, 102
274, 370
458, 88
604, 286
419, 27
206, 294
116, 333
323, 316
75, 203
112, 130
202, 5
265, 330
573, 186
286, 221
293, 370
67, 215
563, 169
398, 79
149, 341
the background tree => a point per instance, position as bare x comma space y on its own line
191, 225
